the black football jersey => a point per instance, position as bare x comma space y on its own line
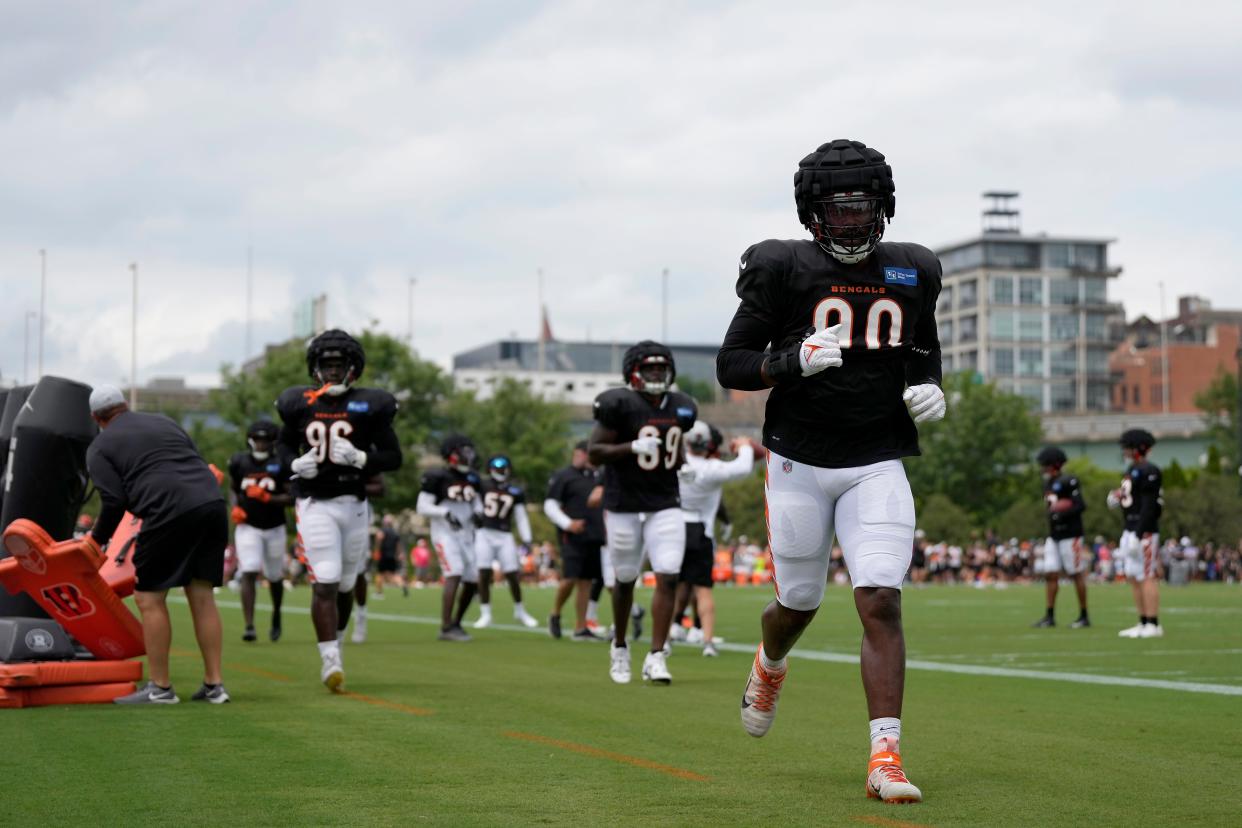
572, 488
271, 474
498, 502
852, 415
644, 482
1067, 524
1142, 499
361, 415
455, 490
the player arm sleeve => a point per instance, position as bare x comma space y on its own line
923, 365
385, 453
111, 497
427, 506
556, 514
1149, 506
522, 519
720, 472
740, 363
290, 438
1075, 495
235, 477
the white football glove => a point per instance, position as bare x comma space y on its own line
686, 474
306, 466
646, 445
926, 402
344, 453
820, 351
1112, 500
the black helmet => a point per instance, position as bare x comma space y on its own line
1051, 456
1139, 439
459, 452
335, 344
263, 430
844, 193
648, 367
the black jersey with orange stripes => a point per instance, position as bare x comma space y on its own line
852, 415
497, 502
1142, 498
644, 482
361, 415
272, 475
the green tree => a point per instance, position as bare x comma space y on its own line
1206, 510
1175, 476
1219, 404
977, 455
703, 391
534, 433
744, 501
944, 520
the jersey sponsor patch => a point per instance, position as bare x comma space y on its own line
685, 413
358, 405
901, 276
272, 468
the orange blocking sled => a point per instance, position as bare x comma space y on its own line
50, 673
64, 579
65, 694
118, 566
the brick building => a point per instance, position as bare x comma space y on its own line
1201, 342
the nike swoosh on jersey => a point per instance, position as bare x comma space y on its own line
742, 266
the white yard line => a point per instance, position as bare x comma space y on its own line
846, 658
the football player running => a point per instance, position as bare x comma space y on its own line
340, 435
638, 442
1141, 500
259, 478
702, 479
1063, 551
842, 328
502, 505
449, 498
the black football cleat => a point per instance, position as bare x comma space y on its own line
250, 635
554, 626
1083, 621
1046, 621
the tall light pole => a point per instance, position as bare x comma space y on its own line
26, 340
133, 343
409, 325
249, 297
542, 344
664, 306
42, 302
1164, 355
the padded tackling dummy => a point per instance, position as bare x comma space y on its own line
64, 578
64, 694
32, 639
13, 399
45, 476
57, 673
118, 566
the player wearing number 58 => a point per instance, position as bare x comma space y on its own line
638, 442
340, 435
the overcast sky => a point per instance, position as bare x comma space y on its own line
468, 144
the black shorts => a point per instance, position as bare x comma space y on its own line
387, 565
190, 547
580, 559
696, 566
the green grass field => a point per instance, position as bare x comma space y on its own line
514, 728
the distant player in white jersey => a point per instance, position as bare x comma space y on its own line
701, 481
500, 508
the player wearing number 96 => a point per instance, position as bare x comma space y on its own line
340, 435
637, 441
842, 327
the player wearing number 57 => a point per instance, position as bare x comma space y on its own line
638, 442
339, 435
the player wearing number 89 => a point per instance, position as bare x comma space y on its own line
502, 505
637, 441
340, 435
842, 327
260, 482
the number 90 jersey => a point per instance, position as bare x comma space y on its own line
852, 415
644, 482
361, 415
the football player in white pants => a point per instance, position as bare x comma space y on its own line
449, 498
1140, 497
501, 507
842, 328
1063, 551
637, 441
341, 435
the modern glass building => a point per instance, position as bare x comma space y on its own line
1031, 313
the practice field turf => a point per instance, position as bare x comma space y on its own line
1003, 725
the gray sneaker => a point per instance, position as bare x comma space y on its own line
454, 633
216, 694
149, 693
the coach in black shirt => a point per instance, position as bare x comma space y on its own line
146, 464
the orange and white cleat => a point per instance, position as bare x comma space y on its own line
763, 689
887, 782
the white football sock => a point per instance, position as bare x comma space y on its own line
518, 609
592, 610
768, 664
886, 735
328, 648
362, 613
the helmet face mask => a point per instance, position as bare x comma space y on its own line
261, 437
335, 360
844, 193
459, 453
848, 225
648, 368
500, 469
655, 376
